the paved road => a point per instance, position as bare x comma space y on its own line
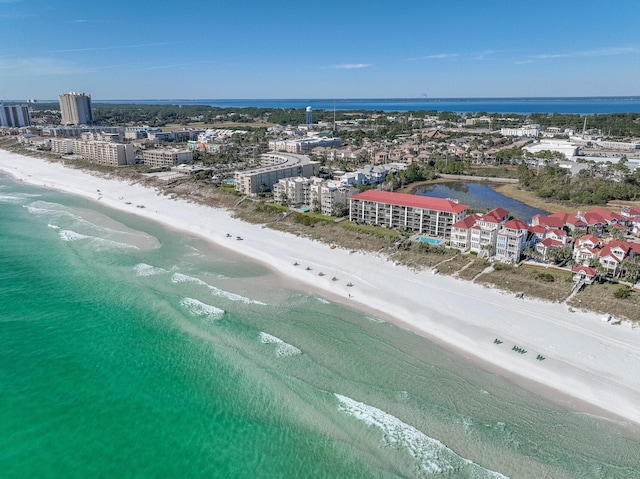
478, 178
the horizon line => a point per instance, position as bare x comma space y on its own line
360, 99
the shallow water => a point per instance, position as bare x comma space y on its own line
127, 349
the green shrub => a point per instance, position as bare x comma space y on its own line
622, 292
498, 266
546, 277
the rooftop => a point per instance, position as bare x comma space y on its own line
415, 201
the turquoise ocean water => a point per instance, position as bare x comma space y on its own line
131, 350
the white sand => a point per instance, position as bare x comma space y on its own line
587, 358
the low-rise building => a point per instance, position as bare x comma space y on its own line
275, 166
62, 146
166, 157
312, 193
530, 131
303, 145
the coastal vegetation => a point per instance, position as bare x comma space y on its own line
595, 185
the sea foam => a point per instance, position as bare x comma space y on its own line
198, 308
431, 456
282, 349
99, 243
143, 269
183, 278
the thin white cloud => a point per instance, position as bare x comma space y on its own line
440, 56
38, 66
44, 66
78, 21
352, 66
113, 47
602, 52
174, 65
485, 55
523, 62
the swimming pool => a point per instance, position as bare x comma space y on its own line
424, 239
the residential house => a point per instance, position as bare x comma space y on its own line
584, 273
587, 248
612, 254
479, 235
512, 239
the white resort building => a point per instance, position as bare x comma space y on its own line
275, 166
313, 193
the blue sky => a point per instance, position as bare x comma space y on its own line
192, 49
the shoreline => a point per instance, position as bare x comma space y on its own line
591, 366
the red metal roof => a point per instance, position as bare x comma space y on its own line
415, 201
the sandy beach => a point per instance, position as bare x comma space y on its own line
589, 361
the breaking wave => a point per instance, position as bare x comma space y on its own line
200, 309
431, 456
99, 243
143, 269
183, 278
282, 349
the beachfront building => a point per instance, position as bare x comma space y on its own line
275, 166
105, 152
586, 248
312, 193
583, 273
14, 116
75, 109
166, 157
421, 214
478, 233
513, 238
62, 146
294, 191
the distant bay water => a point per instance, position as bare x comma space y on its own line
575, 105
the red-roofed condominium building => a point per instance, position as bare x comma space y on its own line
420, 214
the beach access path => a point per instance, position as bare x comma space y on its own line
590, 364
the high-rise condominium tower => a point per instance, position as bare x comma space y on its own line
76, 109
14, 115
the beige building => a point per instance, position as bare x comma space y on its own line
62, 146
166, 157
104, 152
275, 166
